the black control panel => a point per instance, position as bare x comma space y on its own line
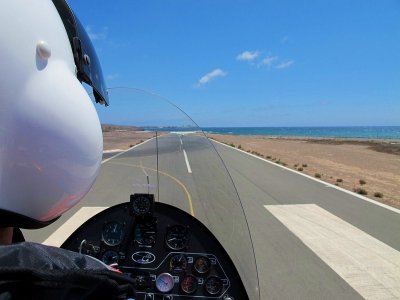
169, 253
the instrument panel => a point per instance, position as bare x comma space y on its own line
168, 253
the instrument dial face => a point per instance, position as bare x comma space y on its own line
178, 262
165, 282
110, 257
202, 265
113, 233
145, 234
189, 284
141, 205
177, 237
213, 285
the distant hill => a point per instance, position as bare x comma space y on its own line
111, 128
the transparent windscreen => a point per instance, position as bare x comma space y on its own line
176, 162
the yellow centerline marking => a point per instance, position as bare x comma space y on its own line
189, 197
183, 187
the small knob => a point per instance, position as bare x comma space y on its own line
43, 50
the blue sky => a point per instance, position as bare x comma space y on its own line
254, 63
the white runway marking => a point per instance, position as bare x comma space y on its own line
65, 230
180, 137
370, 266
187, 162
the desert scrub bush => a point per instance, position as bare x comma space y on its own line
284, 164
339, 180
300, 169
232, 145
131, 145
305, 165
360, 191
378, 195
362, 182
240, 147
269, 157
317, 175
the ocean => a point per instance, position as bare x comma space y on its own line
359, 132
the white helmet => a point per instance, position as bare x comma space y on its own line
50, 135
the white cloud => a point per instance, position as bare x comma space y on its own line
100, 35
248, 55
209, 76
285, 64
268, 61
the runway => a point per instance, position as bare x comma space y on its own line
312, 241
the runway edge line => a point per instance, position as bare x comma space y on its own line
393, 209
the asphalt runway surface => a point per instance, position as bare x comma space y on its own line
312, 241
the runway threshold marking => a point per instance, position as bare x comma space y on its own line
187, 162
368, 265
65, 230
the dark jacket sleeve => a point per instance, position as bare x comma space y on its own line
35, 271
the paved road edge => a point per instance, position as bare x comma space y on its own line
393, 209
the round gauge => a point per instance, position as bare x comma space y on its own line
177, 237
141, 205
178, 262
145, 234
213, 285
113, 233
110, 257
165, 282
189, 284
202, 264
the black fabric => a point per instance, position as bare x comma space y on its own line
34, 271
18, 236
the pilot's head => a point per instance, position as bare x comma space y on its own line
50, 135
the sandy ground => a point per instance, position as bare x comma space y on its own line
339, 162
122, 140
